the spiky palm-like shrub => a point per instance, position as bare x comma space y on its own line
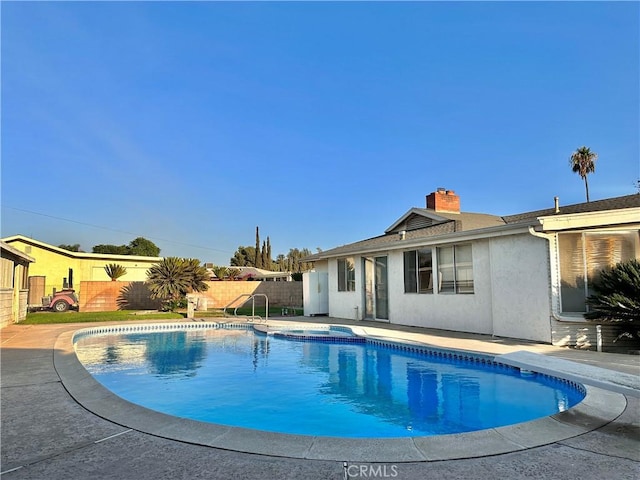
616, 297
197, 275
115, 271
220, 272
171, 279
233, 273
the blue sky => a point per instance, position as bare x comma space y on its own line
322, 123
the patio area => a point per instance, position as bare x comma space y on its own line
46, 433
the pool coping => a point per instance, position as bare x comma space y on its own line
598, 408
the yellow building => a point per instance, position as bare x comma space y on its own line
57, 268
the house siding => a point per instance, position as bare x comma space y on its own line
511, 294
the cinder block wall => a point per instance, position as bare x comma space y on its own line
284, 294
99, 296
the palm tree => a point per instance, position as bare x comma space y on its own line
115, 271
583, 162
197, 275
220, 272
171, 279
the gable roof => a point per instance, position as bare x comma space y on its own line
14, 253
79, 255
419, 224
417, 218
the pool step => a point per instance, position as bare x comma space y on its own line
619, 382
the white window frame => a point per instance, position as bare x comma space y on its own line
346, 275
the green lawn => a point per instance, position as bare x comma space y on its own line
39, 318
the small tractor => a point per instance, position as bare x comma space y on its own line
60, 301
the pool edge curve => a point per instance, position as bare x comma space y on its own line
598, 408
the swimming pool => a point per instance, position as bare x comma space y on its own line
233, 376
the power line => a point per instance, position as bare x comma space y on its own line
113, 229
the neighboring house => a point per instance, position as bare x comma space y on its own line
253, 273
14, 270
57, 268
522, 276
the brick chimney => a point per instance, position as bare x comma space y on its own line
443, 200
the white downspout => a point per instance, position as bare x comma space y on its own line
552, 269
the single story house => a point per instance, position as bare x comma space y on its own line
253, 273
14, 271
522, 276
57, 268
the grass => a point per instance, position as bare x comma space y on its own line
246, 311
41, 318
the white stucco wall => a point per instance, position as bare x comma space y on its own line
511, 292
520, 287
447, 311
343, 304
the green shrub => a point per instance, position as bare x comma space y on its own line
616, 297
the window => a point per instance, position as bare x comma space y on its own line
455, 269
418, 271
582, 255
346, 275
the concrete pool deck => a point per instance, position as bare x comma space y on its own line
47, 433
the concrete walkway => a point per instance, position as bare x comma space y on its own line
46, 434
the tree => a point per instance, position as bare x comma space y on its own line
616, 297
294, 260
72, 248
111, 249
267, 262
172, 278
244, 257
143, 247
257, 262
115, 271
220, 272
197, 275
233, 273
139, 246
583, 162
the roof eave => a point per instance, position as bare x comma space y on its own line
477, 234
81, 255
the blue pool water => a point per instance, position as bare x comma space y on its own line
240, 378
